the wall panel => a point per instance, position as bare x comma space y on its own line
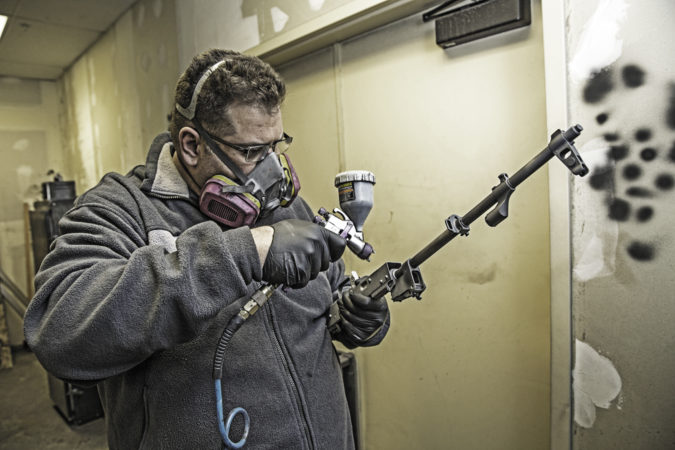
622, 88
468, 366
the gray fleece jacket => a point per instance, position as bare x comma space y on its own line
135, 294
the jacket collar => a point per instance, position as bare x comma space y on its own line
162, 178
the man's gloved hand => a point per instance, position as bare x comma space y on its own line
363, 321
299, 251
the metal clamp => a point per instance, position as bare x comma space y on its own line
456, 226
408, 284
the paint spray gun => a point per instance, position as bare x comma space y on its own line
355, 191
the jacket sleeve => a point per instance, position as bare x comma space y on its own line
106, 300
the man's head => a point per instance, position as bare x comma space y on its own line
238, 102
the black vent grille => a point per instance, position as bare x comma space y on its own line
223, 211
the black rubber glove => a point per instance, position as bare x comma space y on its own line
299, 251
363, 321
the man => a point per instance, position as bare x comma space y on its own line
150, 268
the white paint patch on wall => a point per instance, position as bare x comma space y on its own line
21, 145
316, 5
600, 44
596, 383
25, 178
279, 18
24, 172
596, 245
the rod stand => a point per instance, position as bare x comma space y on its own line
405, 280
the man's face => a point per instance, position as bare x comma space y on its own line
253, 126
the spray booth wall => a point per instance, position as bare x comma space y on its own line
117, 96
467, 367
622, 87
30, 145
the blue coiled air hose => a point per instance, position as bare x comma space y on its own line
251, 307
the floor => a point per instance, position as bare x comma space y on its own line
27, 418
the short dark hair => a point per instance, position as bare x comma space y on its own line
241, 79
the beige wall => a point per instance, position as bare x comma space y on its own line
117, 96
468, 366
30, 145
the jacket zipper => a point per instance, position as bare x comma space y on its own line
167, 196
296, 390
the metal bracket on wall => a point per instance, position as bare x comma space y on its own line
477, 20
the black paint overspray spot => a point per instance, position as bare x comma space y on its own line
644, 214
643, 134
639, 192
633, 76
671, 153
665, 182
598, 86
619, 210
611, 137
602, 178
632, 172
601, 118
641, 251
648, 154
618, 152
670, 114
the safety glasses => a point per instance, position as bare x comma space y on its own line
258, 152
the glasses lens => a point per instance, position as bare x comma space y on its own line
283, 144
257, 153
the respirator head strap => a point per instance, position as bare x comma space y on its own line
191, 110
219, 153
190, 113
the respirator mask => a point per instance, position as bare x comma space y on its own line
271, 184
235, 203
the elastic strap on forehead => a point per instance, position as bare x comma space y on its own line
189, 112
